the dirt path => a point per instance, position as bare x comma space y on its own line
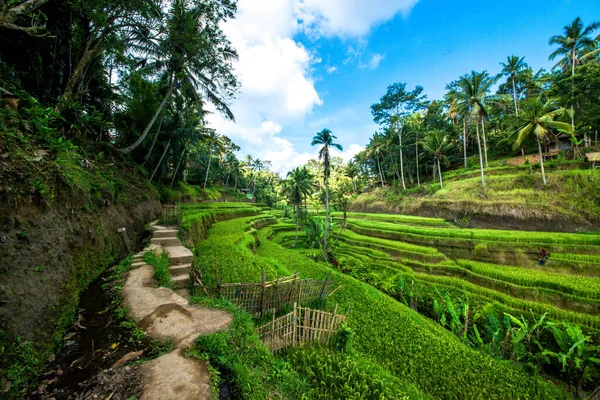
165, 314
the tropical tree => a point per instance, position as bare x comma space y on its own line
415, 124
511, 69
539, 119
376, 149
297, 187
396, 104
574, 46
325, 139
351, 172
212, 140
193, 55
437, 143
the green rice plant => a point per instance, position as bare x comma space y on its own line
335, 375
398, 218
478, 235
577, 285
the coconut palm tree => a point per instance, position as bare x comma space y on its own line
376, 148
325, 140
470, 97
211, 138
193, 55
297, 187
437, 143
415, 124
572, 46
539, 119
511, 69
351, 172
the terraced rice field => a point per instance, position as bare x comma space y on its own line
394, 271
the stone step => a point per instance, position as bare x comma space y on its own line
162, 233
179, 255
183, 269
138, 264
166, 241
181, 282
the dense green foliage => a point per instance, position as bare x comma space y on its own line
411, 348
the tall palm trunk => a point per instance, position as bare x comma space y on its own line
207, 168
326, 233
541, 159
417, 157
153, 142
161, 159
401, 161
465, 140
380, 172
480, 155
573, 90
129, 149
440, 173
484, 142
178, 164
515, 96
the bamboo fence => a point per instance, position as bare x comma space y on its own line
301, 326
268, 296
170, 213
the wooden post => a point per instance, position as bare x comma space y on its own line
262, 293
294, 324
300, 293
289, 300
272, 330
333, 317
325, 286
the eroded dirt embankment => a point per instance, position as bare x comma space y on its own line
49, 255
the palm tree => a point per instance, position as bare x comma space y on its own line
212, 141
376, 149
351, 172
257, 165
471, 96
511, 69
415, 122
437, 143
325, 139
572, 48
539, 119
298, 186
194, 55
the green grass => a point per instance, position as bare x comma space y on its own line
399, 218
481, 235
413, 349
577, 285
160, 264
237, 357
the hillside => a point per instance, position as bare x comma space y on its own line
513, 198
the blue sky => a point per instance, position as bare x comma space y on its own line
306, 65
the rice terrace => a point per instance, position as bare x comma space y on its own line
299, 199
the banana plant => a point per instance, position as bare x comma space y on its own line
576, 354
525, 339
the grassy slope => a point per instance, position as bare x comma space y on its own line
405, 343
571, 199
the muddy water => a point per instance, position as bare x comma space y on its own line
92, 345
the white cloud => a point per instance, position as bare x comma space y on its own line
349, 152
348, 18
375, 60
278, 89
